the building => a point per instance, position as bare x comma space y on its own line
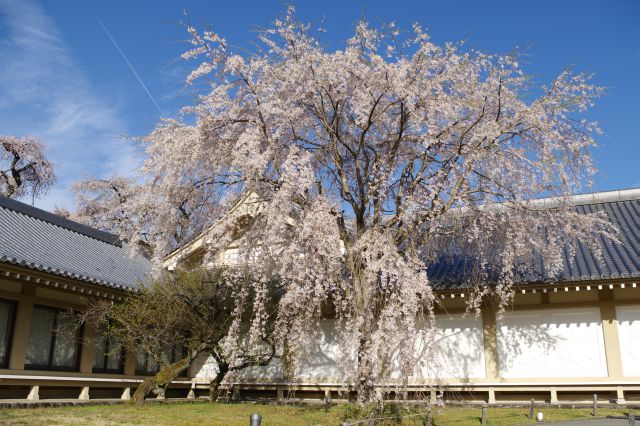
48, 265
559, 342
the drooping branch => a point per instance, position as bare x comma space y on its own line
363, 171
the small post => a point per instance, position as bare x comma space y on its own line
255, 420
327, 396
84, 394
594, 412
632, 419
34, 393
531, 406
492, 396
126, 394
484, 414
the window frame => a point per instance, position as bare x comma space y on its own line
11, 324
145, 372
105, 360
54, 335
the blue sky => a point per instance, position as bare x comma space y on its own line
63, 80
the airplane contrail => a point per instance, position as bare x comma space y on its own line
133, 70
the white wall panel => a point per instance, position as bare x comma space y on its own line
629, 333
459, 349
551, 343
205, 367
267, 373
456, 353
325, 357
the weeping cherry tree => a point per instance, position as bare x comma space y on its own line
370, 163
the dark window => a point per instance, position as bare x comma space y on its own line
109, 355
54, 340
7, 320
146, 365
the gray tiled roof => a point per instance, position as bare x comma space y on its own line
619, 260
42, 241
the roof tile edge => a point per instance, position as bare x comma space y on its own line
591, 198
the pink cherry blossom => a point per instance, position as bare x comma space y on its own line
368, 164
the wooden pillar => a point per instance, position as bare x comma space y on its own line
130, 363
21, 334
490, 342
610, 334
129, 370
88, 349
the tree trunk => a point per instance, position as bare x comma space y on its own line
365, 384
223, 369
158, 383
143, 390
365, 299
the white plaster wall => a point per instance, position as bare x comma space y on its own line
326, 357
267, 373
206, 368
456, 353
323, 359
551, 343
459, 348
629, 334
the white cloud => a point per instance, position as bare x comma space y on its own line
44, 93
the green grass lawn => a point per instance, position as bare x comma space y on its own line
238, 414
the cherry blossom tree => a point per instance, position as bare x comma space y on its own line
101, 203
108, 204
371, 163
126, 208
24, 168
